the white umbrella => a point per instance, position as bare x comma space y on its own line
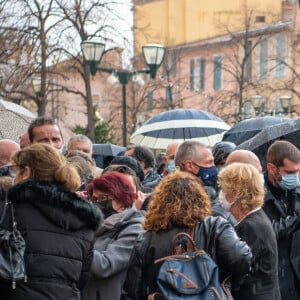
14, 120
180, 125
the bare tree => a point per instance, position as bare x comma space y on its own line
42, 33
246, 50
31, 26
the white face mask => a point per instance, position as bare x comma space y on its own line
262, 178
223, 201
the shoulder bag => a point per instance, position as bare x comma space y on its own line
12, 247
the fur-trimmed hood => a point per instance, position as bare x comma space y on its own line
62, 207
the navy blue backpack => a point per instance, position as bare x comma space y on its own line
189, 273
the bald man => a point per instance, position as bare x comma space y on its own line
242, 156
7, 148
168, 158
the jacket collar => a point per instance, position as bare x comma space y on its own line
45, 194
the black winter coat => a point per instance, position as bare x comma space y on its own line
283, 207
58, 228
214, 235
262, 282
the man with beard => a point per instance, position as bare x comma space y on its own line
282, 205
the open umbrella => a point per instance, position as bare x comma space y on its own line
104, 153
14, 120
180, 125
259, 144
248, 128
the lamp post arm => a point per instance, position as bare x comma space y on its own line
123, 76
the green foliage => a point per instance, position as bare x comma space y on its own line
103, 132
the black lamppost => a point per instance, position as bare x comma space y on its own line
153, 55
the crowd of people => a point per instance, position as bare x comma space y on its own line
94, 233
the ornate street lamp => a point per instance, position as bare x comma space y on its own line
285, 102
257, 102
153, 54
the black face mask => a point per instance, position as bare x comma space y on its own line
107, 208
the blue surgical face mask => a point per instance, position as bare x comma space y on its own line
208, 175
171, 166
288, 181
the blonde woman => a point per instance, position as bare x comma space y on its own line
179, 204
57, 225
242, 193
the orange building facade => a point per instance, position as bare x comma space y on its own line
222, 55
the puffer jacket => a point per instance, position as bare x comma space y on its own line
214, 235
113, 247
59, 229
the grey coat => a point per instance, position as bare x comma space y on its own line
112, 250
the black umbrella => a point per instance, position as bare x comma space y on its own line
259, 144
104, 153
246, 129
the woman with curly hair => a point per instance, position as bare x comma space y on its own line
180, 204
114, 193
242, 193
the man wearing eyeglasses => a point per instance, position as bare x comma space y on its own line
197, 158
7, 148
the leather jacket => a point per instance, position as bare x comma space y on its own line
214, 235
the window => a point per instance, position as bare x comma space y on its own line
149, 100
263, 59
217, 72
248, 61
197, 74
259, 19
280, 55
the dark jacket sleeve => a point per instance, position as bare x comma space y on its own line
232, 255
283, 226
132, 288
86, 266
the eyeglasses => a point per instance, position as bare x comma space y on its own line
101, 198
8, 170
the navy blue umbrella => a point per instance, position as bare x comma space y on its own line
180, 125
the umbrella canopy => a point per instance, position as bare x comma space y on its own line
180, 125
259, 144
248, 128
14, 120
104, 153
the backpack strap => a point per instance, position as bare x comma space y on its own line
178, 247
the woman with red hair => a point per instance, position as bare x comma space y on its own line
114, 193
